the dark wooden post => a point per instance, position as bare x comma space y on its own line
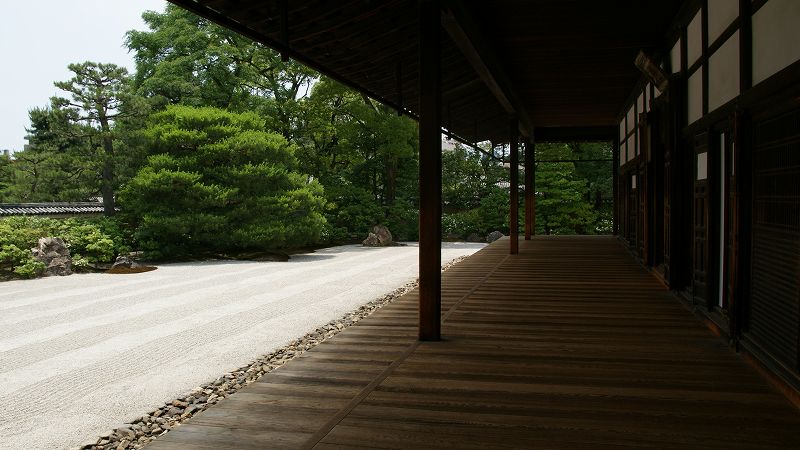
513, 217
615, 186
430, 171
530, 199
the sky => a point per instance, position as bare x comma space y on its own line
39, 38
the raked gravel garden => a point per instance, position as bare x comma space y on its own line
113, 361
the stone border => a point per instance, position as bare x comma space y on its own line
145, 429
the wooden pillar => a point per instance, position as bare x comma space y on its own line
615, 187
513, 216
430, 171
530, 188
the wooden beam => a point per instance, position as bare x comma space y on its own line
284, 10
430, 171
513, 216
530, 168
465, 31
463, 88
576, 134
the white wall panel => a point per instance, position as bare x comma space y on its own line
723, 73
640, 103
694, 39
675, 57
721, 13
776, 37
623, 154
695, 96
702, 166
632, 147
631, 119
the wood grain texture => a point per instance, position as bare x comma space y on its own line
570, 344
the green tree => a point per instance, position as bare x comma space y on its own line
59, 164
185, 59
99, 97
468, 176
599, 178
5, 175
215, 181
561, 205
366, 156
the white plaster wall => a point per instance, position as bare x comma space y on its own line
694, 39
702, 166
632, 147
721, 13
640, 103
631, 119
776, 37
723, 73
622, 130
675, 57
623, 153
695, 96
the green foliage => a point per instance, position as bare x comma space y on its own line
366, 156
468, 176
562, 205
474, 202
58, 165
6, 171
20, 262
75, 142
216, 182
185, 59
99, 97
90, 240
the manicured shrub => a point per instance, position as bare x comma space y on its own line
216, 182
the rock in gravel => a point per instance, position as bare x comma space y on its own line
379, 237
493, 236
126, 262
53, 252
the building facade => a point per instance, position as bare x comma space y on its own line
708, 173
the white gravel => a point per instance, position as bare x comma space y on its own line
80, 355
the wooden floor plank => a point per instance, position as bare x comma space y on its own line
571, 343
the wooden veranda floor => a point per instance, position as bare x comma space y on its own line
570, 344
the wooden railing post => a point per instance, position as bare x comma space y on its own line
513, 217
430, 171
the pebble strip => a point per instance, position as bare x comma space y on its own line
148, 427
